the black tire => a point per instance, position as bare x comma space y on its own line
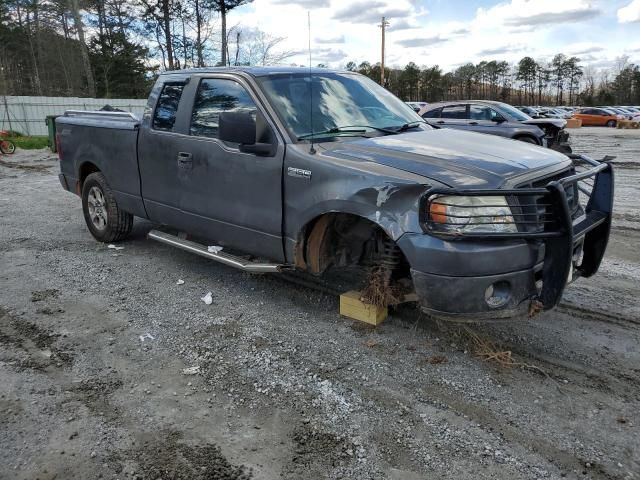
106, 222
528, 139
611, 124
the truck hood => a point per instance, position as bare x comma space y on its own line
453, 157
556, 122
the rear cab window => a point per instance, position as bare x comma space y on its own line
164, 116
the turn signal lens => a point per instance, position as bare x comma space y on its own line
438, 212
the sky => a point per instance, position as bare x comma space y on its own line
450, 33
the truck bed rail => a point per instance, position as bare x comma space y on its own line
102, 114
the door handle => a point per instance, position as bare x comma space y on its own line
184, 157
440, 122
473, 123
185, 160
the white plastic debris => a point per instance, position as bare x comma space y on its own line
214, 249
180, 282
115, 247
146, 335
208, 298
191, 370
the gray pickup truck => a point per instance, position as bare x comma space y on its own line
316, 170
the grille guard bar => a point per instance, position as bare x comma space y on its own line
592, 229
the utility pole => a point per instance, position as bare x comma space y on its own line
384, 26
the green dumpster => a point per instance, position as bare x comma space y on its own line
51, 127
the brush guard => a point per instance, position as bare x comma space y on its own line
575, 238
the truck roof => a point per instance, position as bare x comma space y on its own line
254, 71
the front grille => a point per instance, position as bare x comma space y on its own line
537, 209
572, 202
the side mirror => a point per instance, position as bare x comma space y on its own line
240, 127
237, 127
499, 119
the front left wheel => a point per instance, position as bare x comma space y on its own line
105, 220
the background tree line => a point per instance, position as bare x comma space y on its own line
114, 49
563, 81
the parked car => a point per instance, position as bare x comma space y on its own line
628, 114
532, 112
561, 113
497, 118
596, 117
417, 106
245, 159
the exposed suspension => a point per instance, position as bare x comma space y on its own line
380, 290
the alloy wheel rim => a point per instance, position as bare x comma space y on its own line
97, 208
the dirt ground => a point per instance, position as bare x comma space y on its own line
110, 369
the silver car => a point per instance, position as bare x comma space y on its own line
497, 118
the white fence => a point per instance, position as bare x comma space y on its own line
27, 114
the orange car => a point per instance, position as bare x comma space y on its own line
596, 117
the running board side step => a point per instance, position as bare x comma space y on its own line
221, 257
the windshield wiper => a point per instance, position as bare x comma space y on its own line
408, 126
335, 130
359, 129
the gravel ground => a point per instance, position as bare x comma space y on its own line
110, 369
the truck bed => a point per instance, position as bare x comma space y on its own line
111, 149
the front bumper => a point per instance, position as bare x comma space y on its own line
522, 267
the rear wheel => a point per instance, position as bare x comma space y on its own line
105, 220
7, 147
611, 123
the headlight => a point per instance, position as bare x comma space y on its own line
485, 214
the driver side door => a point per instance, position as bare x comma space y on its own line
230, 197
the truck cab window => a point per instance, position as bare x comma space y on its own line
165, 114
216, 95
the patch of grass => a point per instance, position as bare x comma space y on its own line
30, 143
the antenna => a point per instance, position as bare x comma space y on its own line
312, 150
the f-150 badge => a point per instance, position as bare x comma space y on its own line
299, 173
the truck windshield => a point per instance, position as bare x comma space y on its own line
339, 100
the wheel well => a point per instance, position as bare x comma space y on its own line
86, 169
526, 135
340, 239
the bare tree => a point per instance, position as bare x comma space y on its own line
158, 18
260, 48
224, 7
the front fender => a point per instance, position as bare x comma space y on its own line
386, 196
393, 207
